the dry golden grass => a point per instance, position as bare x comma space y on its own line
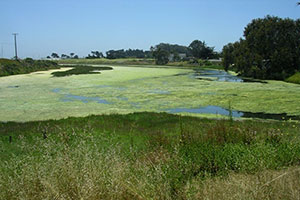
284, 184
84, 175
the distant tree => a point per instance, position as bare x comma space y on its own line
95, 54
200, 50
72, 54
113, 54
54, 55
176, 57
228, 56
48, 57
76, 57
174, 48
64, 56
161, 56
148, 54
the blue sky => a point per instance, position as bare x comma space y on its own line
79, 26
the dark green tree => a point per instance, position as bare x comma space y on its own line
161, 56
174, 48
95, 54
200, 50
54, 55
270, 50
176, 57
274, 44
64, 56
228, 56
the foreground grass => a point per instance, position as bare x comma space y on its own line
149, 156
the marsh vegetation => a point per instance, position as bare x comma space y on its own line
28, 65
138, 89
149, 156
80, 69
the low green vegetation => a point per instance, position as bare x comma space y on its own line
147, 156
28, 65
294, 79
80, 69
137, 89
199, 64
101, 61
194, 63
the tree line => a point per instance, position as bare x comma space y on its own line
270, 49
161, 53
111, 54
63, 56
196, 50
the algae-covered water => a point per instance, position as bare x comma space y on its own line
39, 96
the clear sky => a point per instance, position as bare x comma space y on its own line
79, 26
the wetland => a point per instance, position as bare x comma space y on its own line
126, 89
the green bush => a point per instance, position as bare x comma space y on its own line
294, 78
28, 65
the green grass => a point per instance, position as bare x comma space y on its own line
135, 61
294, 79
101, 61
80, 69
145, 156
136, 89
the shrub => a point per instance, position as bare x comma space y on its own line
294, 78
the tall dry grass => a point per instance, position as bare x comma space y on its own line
283, 184
82, 172
117, 157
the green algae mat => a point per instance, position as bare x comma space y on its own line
40, 96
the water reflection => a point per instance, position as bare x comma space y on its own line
234, 113
70, 97
220, 75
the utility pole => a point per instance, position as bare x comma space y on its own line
16, 52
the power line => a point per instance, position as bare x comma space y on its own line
16, 52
